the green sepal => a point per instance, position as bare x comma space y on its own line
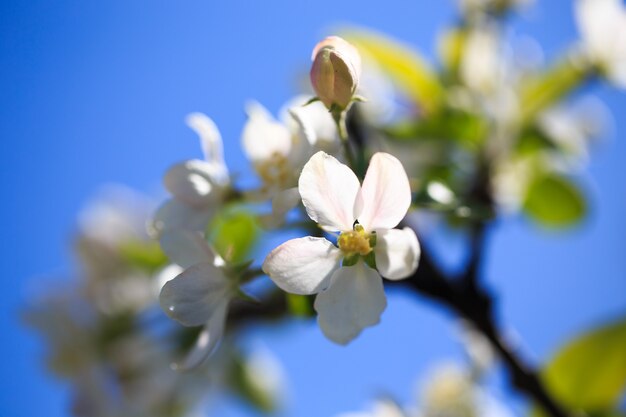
370, 260
247, 297
350, 260
311, 101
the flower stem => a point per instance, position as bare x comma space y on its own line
339, 116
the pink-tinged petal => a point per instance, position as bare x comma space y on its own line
191, 182
329, 191
302, 266
207, 341
397, 253
186, 247
355, 300
193, 297
385, 194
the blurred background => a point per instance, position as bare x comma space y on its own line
95, 93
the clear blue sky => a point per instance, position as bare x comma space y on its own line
96, 92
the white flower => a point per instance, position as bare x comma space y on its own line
350, 297
602, 24
197, 186
279, 149
200, 295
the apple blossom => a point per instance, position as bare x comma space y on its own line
335, 72
602, 24
350, 296
200, 295
197, 186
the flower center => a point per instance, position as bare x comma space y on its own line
356, 241
275, 170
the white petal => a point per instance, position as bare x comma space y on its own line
302, 266
175, 215
262, 136
397, 252
285, 200
315, 125
207, 340
211, 142
329, 192
191, 182
386, 193
354, 300
192, 297
186, 248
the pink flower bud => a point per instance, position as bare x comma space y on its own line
335, 72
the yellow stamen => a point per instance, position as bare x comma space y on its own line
356, 241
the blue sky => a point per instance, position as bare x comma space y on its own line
96, 92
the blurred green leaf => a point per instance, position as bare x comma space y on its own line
403, 64
233, 233
545, 89
300, 305
452, 125
589, 373
554, 201
450, 47
146, 255
249, 386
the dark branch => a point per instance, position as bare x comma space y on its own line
475, 305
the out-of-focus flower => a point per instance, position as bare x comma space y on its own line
450, 393
473, 6
200, 295
350, 297
197, 186
335, 72
380, 408
602, 24
279, 149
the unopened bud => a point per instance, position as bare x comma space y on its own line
335, 72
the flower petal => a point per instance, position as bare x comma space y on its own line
284, 201
186, 248
329, 191
354, 300
397, 252
173, 214
302, 266
192, 182
207, 340
193, 297
211, 142
385, 194
262, 136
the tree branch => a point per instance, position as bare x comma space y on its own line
475, 305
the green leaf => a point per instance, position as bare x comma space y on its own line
248, 384
551, 86
146, 255
403, 64
300, 305
233, 234
554, 201
589, 373
456, 126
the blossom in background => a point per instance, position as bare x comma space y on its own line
602, 24
335, 72
200, 295
279, 149
350, 297
197, 186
